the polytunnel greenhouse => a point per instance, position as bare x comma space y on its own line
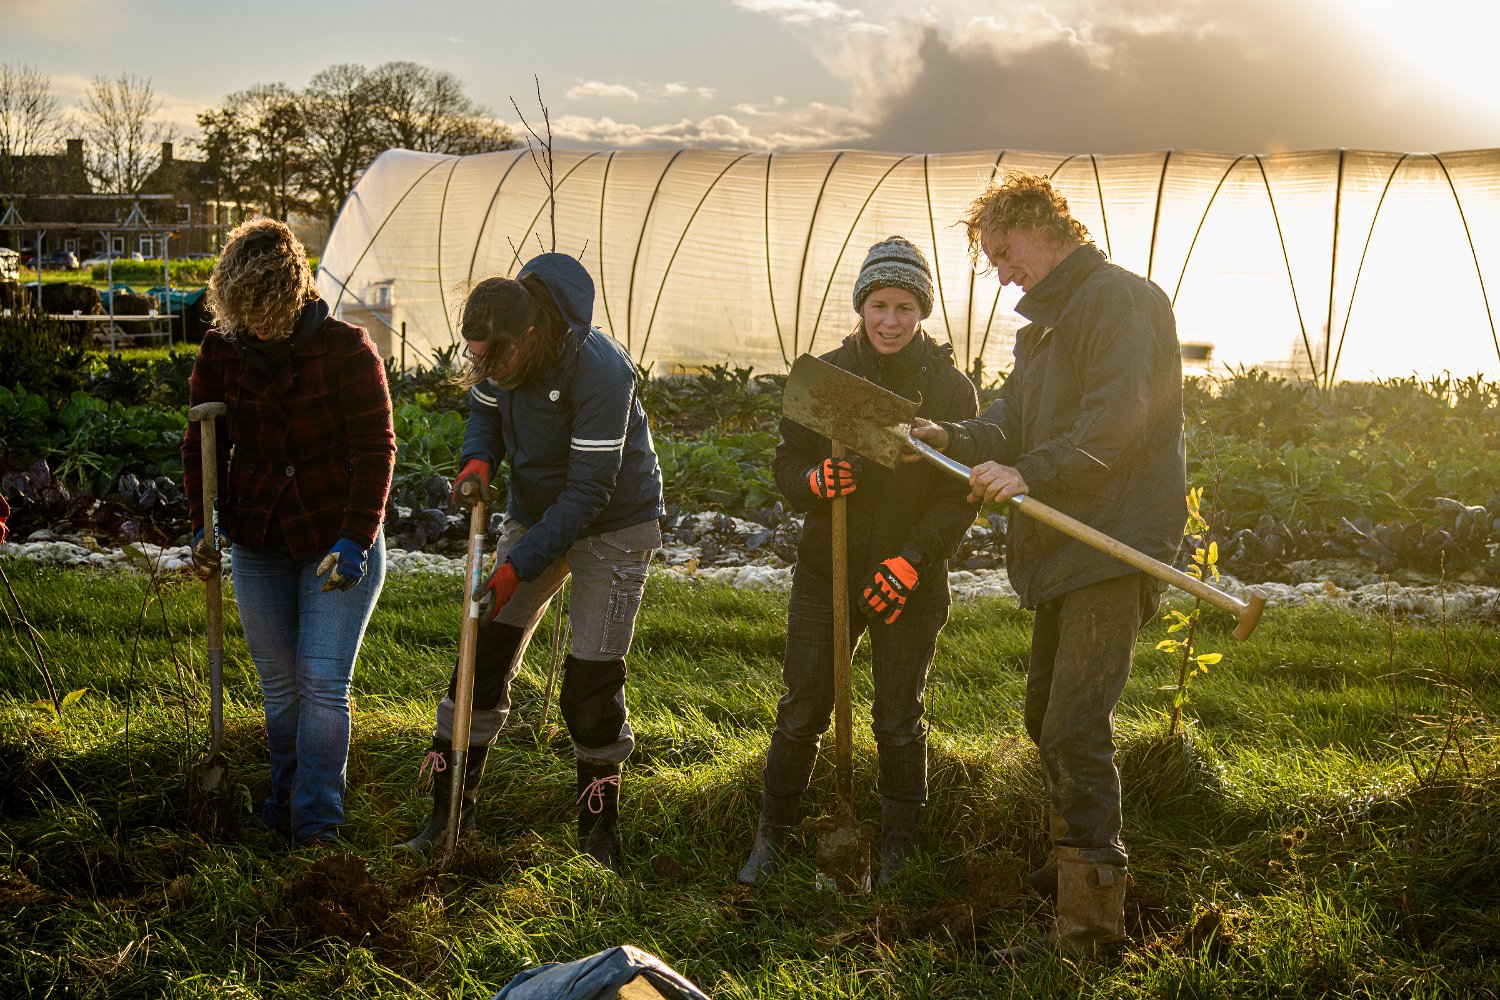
1330, 265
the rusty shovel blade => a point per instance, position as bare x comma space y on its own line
841, 406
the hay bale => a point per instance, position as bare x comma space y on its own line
134, 304
13, 297
65, 298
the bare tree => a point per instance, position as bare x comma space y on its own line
30, 124
222, 141
276, 151
256, 149
123, 134
343, 135
427, 110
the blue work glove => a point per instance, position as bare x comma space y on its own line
347, 562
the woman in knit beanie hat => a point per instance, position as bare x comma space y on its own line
895, 262
903, 524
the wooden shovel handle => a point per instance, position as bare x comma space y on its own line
1246, 614
207, 415
463, 684
843, 694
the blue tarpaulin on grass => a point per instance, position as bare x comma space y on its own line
600, 977
173, 300
176, 299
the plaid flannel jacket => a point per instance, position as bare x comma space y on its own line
307, 448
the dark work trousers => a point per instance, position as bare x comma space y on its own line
1081, 647
900, 654
609, 576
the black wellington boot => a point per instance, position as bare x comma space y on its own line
442, 795
599, 812
777, 814
898, 837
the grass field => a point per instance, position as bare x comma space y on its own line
1328, 825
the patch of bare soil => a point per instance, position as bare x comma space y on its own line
336, 898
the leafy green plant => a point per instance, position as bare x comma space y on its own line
98, 440
58, 710
730, 472
25, 417
1191, 662
42, 355
427, 442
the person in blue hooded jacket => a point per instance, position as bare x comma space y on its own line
558, 398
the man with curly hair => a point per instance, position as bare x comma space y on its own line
305, 454
1089, 421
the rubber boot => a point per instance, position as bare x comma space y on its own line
599, 812
898, 836
1090, 905
1090, 918
777, 814
442, 795
1043, 880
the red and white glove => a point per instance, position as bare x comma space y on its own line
496, 592
885, 596
473, 479
834, 478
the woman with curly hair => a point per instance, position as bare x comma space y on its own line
305, 455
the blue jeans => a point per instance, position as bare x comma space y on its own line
304, 642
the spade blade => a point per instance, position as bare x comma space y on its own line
843, 407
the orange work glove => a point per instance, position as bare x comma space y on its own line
834, 478
892, 584
496, 592
472, 478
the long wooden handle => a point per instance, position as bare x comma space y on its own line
1247, 614
463, 687
207, 415
843, 684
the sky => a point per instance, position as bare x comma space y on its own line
1070, 76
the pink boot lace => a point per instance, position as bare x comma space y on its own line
593, 794
433, 765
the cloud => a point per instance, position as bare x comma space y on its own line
814, 126
1123, 75
649, 92
594, 89
802, 11
1198, 75
669, 90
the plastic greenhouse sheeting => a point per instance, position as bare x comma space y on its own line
1334, 264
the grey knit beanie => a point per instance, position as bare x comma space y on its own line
895, 262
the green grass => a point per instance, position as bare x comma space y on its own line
1374, 739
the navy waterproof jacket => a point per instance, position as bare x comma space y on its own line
1091, 416
581, 458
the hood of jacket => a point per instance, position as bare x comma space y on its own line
571, 287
